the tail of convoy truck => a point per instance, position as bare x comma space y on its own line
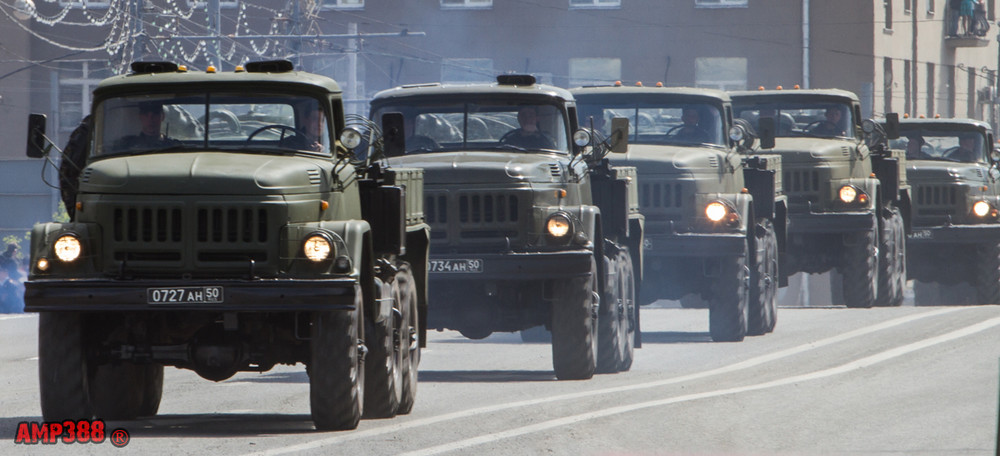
531, 224
221, 226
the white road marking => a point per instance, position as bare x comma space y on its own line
15, 316
844, 368
401, 426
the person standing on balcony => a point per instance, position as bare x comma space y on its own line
966, 11
954, 12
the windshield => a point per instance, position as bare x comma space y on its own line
443, 127
659, 123
817, 119
216, 121
949, 144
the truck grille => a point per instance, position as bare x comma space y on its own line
478, 215
936, 195
936, 204
801, 181
166, 224
655, 195
148, 224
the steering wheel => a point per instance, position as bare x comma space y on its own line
226, 116
960, 155
279, 127
421, 142
817, 123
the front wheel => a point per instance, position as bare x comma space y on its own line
763, 280
616, 319
383, 363
859, 270
409, 333
337, 367
728, 311
62, 367
892, 261
574, 327
987, 278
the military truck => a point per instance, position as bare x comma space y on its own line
714, 209
221, 227
848, 204
955, 239
531, 224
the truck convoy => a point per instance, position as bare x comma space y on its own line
221, 226
955, 241
715, 210
531, 224
848, 204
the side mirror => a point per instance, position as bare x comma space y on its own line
891, 125
619, 135
393, 134
765, 131
36, 136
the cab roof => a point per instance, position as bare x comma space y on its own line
956, 122
490, 89
140, 82
679, 92
823, 94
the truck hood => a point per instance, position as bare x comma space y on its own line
659, 159
804, 151
486, 167
923, 171
204, 173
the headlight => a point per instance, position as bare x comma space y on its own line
558, 225
317, 247
981, 208
350, 138
67, 248
848, 194
716, 211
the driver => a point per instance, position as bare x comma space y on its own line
150, 136
528, 136
690, 130
966, 150
832, 126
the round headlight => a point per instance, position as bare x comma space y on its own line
350, 138
581, 138
715, 211
558, 225
317, 248
848, 194
981, 208
67, 248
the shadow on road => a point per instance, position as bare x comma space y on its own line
674, 337
195, 425
492, 376
277, 377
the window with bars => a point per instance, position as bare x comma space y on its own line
595, 3
466, 4
721, 3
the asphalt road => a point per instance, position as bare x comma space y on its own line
892, 381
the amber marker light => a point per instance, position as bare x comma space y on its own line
239, 69
561, 193
79, 206
210, 69
323, 205
42, 264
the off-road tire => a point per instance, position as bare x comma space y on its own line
763, 280
152, 389
892, 261
615, 331
859, 269
987, 278
729, 304
410, 334
117, 391
62, 367
383, 364
574, 327
337, 367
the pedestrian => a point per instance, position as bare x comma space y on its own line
954, 8
8, 261
967, 10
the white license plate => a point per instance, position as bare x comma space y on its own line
920, 234
457, 266
184, 295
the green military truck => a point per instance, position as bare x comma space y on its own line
848, 204
221, 227
955, 239
531, 225
715, 210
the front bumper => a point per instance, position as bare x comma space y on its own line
694, 245
831, 222
954, 234
513, 265
237, 296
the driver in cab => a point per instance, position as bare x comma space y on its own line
528, 136
832, 126
151, 135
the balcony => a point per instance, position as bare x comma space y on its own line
966, 41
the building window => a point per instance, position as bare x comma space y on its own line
907, 6
724, 73
887, 84
466, 4
594, 4
888, 13
930, 6
907, 89
85, 4
952, 92
343, 4
467, 70
720, 3
77, 81
594, 71
930, 90
971, 91
991, 14
223, 4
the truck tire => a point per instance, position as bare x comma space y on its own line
729, 305
62, 367
987, 279
616, 331
410, 334
892, 261
337, 367
152, 389
117, 391
574, 327
859, 270
383, 363
763, 280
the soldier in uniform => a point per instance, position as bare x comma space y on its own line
150, 137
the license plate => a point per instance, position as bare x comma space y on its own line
457, 266
184, 295
920, 234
